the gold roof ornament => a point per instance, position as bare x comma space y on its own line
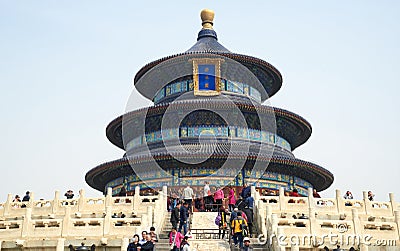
207, 18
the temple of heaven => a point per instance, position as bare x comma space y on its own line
210, 122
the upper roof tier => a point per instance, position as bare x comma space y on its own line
207, 43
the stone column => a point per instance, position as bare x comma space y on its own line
55, 203
7, 206
60, 244
124, 244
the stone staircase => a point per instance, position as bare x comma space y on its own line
163, 239
163, 244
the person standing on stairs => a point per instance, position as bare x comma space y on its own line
184, 218
185, 244
175, 239
175, 215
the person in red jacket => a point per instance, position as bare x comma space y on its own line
175, 239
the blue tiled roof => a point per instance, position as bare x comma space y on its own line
207, 41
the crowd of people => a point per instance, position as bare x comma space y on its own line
145, 243
235, 220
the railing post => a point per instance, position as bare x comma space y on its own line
367, 203
282, 204
278, 246
60, 244
81, 201
165, 197
136, 198
274, 224
108, 201
310, 196
253, 192
31, 198
26, 227
397, 219
149, 216
66, 222
339, 202
356, 222
393, 203
107, 221
7, 206
55, 203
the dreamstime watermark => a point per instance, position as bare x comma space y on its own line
331, 239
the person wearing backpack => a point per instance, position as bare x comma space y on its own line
220, 221
239, 226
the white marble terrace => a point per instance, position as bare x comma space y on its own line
375, 224
54, 224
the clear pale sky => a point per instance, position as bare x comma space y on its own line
66, 71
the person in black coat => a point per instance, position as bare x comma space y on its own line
175, 215
148, 245
183, 218
246, 192
133, 246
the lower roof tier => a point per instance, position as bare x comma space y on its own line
149, 167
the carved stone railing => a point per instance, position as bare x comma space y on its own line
307, 216
105, 219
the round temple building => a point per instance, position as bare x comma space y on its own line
210, 122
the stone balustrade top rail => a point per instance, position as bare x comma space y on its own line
328, 206
83, 217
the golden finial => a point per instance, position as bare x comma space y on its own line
207, 18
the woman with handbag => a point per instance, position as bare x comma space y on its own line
175, 239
